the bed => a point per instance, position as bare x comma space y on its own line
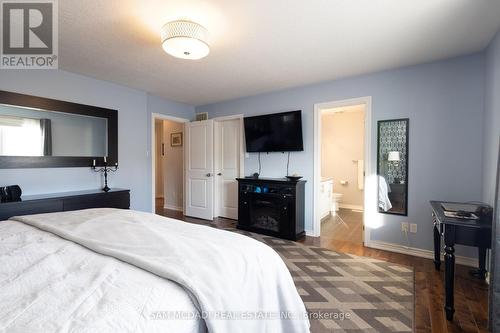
113, 270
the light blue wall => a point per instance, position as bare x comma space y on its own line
444, 101
134, 109
491, 119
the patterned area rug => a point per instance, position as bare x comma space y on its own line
347, 293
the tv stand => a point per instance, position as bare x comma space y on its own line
272, 206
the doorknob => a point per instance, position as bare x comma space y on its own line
209, 174
219, 174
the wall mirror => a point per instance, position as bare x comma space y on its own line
392, 166
39, 132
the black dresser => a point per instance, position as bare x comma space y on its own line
272, 207
65, 201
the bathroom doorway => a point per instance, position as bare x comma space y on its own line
342, 174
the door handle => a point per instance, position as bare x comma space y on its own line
219, 174
209, 174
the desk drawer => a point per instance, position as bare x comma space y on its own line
473, 237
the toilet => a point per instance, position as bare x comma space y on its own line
336, 198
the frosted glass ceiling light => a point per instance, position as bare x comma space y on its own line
185, 40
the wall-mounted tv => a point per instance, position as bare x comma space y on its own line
278, 132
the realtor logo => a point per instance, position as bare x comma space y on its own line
29, 34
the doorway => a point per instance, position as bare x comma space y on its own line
342, 146
214, 158
168, 164
342, 173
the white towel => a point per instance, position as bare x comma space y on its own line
383, 194
361, 175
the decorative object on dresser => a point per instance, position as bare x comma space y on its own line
105, 171
272, 207
293, 177
51, 130
10, 193
65, 201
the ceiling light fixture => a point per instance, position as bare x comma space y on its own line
185, 39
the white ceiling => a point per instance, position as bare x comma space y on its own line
264, 45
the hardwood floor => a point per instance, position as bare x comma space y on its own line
345, 225
471, 295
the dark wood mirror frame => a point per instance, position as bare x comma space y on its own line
407, 147
47, 104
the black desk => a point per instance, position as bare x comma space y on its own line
475, 233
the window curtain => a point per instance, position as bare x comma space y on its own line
46, 131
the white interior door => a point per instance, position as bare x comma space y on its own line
227, 167
199, 154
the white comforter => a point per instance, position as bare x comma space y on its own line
48, 284
238, 284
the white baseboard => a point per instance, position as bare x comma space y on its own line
322, 217
310, 233
412, 251
173, 207
347, 206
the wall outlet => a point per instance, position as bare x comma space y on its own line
405, 226
413, 228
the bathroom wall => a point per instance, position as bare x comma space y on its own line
342, 143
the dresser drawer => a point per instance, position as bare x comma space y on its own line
9, 209
104, 200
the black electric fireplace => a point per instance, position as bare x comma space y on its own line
265, 211
272, 207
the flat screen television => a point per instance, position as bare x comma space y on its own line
278, 132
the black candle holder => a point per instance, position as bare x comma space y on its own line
105, 170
